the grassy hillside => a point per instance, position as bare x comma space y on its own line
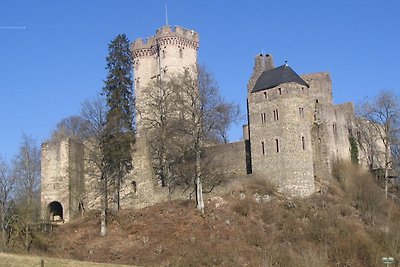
14, 260
347, 222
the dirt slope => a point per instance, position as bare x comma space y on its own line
247, 226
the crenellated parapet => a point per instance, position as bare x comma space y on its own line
165, 36
144, 48
178, 32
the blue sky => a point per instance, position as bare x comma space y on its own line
48, 69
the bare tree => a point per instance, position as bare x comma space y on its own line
369, 141
228, 114
94, 112
71, 127
383, 115
201, 117
162, 125
26, 169
7, 185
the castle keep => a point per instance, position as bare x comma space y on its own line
293, 135
171, 50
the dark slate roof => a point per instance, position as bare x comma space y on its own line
277, 76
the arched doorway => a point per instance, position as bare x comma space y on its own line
55, 211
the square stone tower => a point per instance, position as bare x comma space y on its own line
62, 184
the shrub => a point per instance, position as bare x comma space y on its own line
261, 186
242, 207
362, 191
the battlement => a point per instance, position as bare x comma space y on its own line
177, 31
166, 35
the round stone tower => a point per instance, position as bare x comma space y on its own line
170, 50
280, 120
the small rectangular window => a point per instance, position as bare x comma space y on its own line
280, 90
277, 145
265, 95
303, 143
263, 148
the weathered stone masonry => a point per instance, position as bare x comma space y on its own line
294, 132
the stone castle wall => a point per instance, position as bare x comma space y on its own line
229, 158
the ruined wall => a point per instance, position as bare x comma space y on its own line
331, 132
62, 176
370, 145
320, 90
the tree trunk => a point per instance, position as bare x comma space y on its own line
3, 228
387, 165
27, 241
103, 214
117, 205
27, 222
199, 187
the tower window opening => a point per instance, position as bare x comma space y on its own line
277, 145
181, 53
301, 112
265, 95
263, 148
276, 115
134, 186
334, 128
263, 118
163, 53
316, 101
303, 143
280, 90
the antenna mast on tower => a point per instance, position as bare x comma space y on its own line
166, 13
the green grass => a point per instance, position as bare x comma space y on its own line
15, 260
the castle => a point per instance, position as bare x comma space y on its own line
293, 134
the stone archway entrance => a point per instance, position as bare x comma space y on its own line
56, 211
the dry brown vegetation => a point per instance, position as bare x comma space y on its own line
347, 222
